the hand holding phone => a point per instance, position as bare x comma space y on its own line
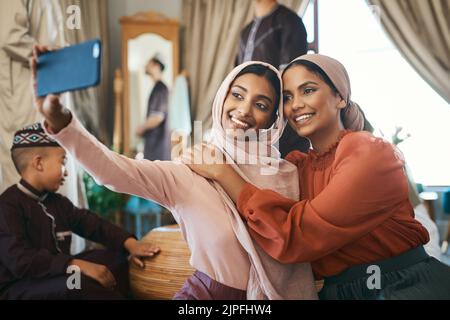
71, 68
56, 115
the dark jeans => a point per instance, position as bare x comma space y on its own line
412, 275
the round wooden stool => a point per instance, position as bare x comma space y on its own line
166, 273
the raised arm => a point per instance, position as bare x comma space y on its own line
167, 183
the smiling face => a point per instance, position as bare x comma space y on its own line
311, 106
250, 104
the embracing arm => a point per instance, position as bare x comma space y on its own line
231, 182
368, 182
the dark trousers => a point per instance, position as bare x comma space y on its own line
412, 275
56, 288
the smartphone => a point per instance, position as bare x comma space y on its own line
70, 68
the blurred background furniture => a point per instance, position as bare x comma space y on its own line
424, 213
144, 34
446, 208
141, 210
428, 199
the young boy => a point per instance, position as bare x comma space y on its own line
36, 224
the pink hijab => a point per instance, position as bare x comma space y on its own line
352, 116
269, 279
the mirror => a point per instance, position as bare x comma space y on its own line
144, 36
140, 51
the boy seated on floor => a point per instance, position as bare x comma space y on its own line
36, 225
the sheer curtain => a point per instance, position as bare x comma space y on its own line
91, 105
421, 31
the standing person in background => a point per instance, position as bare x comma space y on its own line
155, 128
276, 35
23, 23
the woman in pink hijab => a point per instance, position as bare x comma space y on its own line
229, 265
353, 220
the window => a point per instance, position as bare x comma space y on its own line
388, 89
310, 20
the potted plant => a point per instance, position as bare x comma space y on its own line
103, 201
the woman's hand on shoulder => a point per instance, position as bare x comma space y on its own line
206, 160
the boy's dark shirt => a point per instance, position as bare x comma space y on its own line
32, 245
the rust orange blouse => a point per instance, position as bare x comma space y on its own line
353, 208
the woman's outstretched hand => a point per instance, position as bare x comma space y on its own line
55, 114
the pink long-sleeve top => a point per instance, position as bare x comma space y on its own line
194, 202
